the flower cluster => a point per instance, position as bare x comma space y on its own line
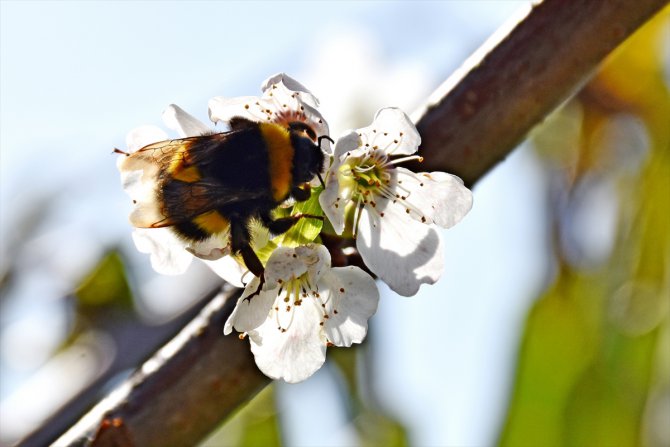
302, 304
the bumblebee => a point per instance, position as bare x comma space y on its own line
213, 183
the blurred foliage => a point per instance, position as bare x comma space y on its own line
102, 294
594, 364
374, 426
257, 424
254, 425
105, 285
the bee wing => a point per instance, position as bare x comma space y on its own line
144, 171
160, 202
156, 156
185, 201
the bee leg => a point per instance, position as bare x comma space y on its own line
283, 224
240, 243
301, 194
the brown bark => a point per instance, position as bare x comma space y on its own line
487, 107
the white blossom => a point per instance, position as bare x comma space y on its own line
394, 211
284, 101
303, 307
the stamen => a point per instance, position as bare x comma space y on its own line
403, 159
361, 169
357, 214
397, 142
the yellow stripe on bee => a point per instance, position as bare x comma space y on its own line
179, 168
280, 158
211, 222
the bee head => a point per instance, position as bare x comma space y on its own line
308, 158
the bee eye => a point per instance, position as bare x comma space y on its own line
300, 126
310, 133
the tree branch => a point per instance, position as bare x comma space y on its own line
471, 123
478, 115
182, 393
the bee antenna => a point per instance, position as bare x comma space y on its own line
322, 137
318, 175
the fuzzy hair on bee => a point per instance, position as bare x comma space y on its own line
216, 183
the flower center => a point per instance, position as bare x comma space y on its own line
372, 176
293, 295
368, 175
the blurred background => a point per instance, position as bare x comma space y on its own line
550, 325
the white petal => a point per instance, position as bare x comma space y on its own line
435, 197
353, 300
168, 252
139, 175
184, 124
213, 248
332, 207
291, 85
285, 106
132, 179
229, 269
223, 109
250, 313
339, 188
293, 355
283, 265
346, 143
453, 200
279, 104
142, 136
315, 257
403, 252
393, 132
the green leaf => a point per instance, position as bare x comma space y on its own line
106, 285
558, 345
255, 425
307, 229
